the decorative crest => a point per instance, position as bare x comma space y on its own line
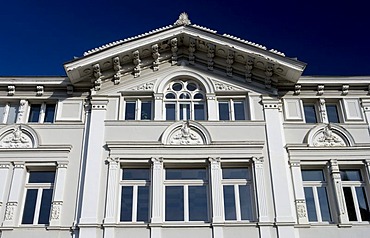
183, 20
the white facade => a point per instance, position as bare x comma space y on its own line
182, 132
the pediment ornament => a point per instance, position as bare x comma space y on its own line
185, 136
16, 138
328, 138
144, 87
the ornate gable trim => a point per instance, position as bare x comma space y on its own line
18, 137
186, 133
329, 135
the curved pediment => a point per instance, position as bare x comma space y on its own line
18, 137
186, 133
328, 135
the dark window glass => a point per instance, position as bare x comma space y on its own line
170, 96
41, 177
130, 110
324, 205
45, 206
49, 113
332, 112
310, 203
177, 86
191, 86
350, 175
146, 110
174, 203
229, 202
34, 113
136, 174
184, 112
362, 202
199, 112
126, 203
223, 108
186, 174
235, 173
310, 113
198, 96
350, 204
313, 175
170, 112
143, 203
13, 111
198, 209
184, 96
29, 206
239, 110
245, 202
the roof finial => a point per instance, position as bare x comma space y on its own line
183, 20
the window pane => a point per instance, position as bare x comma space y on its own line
41, 177
143, 203
2, 110
245, 202
186, 174
170, 96
239, 110
12, 116
223, 110
34, 113
146, 110
313, 175
199, 112
198, 96
310, 203
362, 203
310, 113
324, 205
49, 113
170, 112
174, 203
130, 110
350, 204
184, 112
29, 206
191, 86
136, 174
177, 86
332, 112
45, 206
350, 175
198, 209
229, 202
235, 173
126, 204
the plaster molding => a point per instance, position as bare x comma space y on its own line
186, 133
11, 90
18, 137
329, 135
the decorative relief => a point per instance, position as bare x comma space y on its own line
117, 68
301, 210
229, 62
215, 162
16, 139
248, 67
174, 51
345, 88
322, 109
39, 90
56, 210
210, 55
297, 89
97, 77
191, 50
328, 138
320, 89
157, 163
268, 73
9, 211
144, 87
11, 90
223, 87
185, 136
155, 55
183, 20
21, 110
136, 61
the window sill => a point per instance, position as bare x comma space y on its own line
182, 224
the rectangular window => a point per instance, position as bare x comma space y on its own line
41, 113
310, 113
237, 188
135, 193
231, 110
315, 189
186, 194
332, 112
39, 192
355, 195
138, 110
9, 112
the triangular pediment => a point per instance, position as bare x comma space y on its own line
184, 44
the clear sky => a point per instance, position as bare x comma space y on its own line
38, 36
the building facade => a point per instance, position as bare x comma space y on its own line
183, 132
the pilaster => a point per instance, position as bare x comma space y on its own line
158, 105
12, 208
212, 107
111, 208
216, 188
4, 174
157, 187
57, 204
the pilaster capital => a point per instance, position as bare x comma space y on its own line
211, 96
98, 103
271, 103
62, 164
295, 163
157, 162
258, 160
4, 165
365, 102
18, 165
215, 162
158, 96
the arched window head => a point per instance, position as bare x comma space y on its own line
184, 100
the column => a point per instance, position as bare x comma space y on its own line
339, 196
300, 201
212, 107
4, 174
157, 197
264, 221
278, 159
91, 195
158, 106
57, 204
111, 202
217, 198
12, 209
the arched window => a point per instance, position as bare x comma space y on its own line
184, 100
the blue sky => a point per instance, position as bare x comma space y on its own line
38, 36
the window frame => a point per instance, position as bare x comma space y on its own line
316, 111
7, 106
42, 112
138, 108
231, 108
338, 110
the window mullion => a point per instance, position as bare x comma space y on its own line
317, 203
355, 202
38, 205
237, 203
231, 110
6, 112
134, 203
186, 203
42, 113
138, 109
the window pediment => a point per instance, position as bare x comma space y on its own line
186, 133
18, 137
329, 135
